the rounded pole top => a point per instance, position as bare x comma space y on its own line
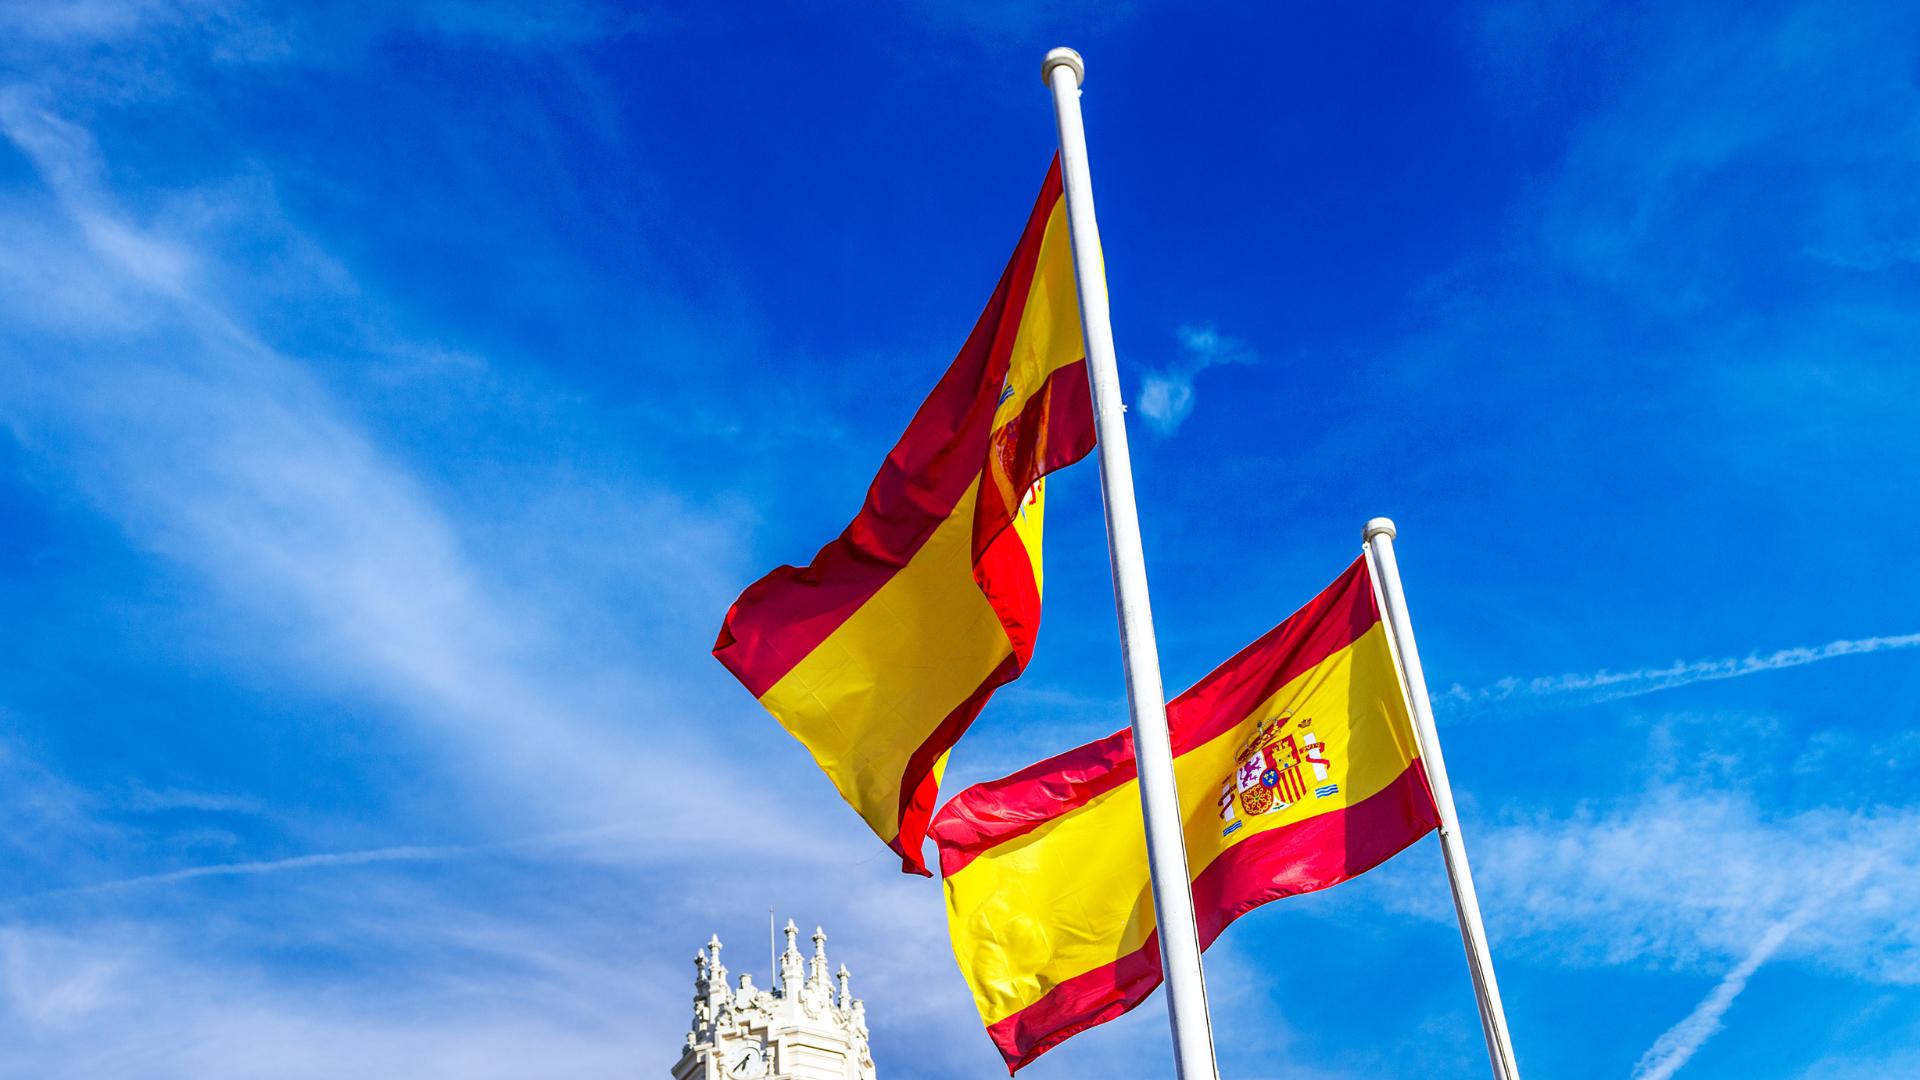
1377, 526
1063, 57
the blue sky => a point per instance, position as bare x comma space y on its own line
393, 397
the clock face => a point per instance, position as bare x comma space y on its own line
749, 1064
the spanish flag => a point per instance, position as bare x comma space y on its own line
879, 653
1297, 768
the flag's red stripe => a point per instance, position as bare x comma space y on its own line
788, 613
1085, 1001
918, 787
987, 815
1302, 857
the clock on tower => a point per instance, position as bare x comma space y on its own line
808, 1026
749, 1063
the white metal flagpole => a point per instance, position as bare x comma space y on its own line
1063, 71
1466, 904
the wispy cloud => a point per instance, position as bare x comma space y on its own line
1673, 877
226, 456
506, 1003
1166, 394
226, 24
1606, 685
142, 799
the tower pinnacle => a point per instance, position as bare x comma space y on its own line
817, 977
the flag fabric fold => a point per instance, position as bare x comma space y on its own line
1297, 768
879, 653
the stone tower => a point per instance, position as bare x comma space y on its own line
808, 1026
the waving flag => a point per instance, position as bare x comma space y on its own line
879, 653
1297, 768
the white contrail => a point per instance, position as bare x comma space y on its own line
1673, 1048
1678, 1043
401, 853
408, 853
1606, 685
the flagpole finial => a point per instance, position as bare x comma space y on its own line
1377, 526
1063, 57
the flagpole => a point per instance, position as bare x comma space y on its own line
1466, 903
1063, 71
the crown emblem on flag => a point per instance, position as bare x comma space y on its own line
1272, 771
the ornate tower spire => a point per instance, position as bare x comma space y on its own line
702, 1008
792, 968
715, 971
845, 1000
817, 976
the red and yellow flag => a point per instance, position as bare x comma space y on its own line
1297, 769
879, 653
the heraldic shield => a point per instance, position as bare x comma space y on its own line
1273, 771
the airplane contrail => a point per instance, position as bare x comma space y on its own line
1678, 1043
1606, 685
320, 860
405, 853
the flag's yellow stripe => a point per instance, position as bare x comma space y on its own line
1074, 894
1030, 525
873, 691
1049, 335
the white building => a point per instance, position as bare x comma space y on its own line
809, 1027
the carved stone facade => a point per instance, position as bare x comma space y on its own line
807, 1027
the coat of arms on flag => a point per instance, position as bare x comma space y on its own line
1271, 771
